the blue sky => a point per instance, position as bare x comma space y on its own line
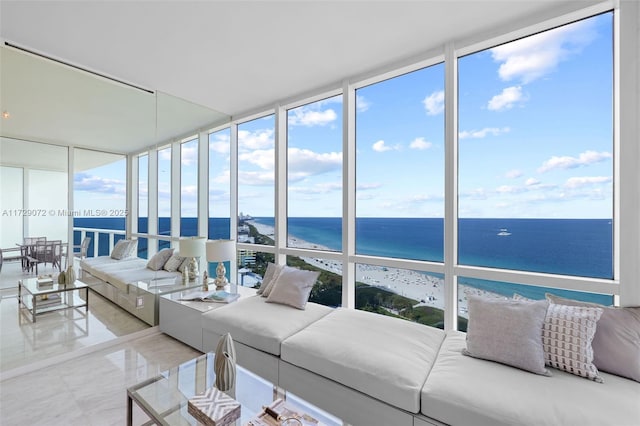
535, 140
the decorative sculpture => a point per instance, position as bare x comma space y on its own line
70, 276
225, 364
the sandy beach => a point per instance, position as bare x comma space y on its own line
427, 289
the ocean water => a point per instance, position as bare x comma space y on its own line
579, 247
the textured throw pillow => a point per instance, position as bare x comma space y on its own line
566, 336
293, 287
159, 259
174, 262
132, 249
616, 344
507, 331
268, 277
119, 251
277, 270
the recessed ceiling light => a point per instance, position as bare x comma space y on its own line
5, 114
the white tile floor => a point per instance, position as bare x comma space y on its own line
72, 368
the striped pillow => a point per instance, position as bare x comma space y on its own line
567, 334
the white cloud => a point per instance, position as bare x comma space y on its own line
255, 178
578, 182
221, 144
263, 158
509, 189
584, 159
368, 186
260, 139
91, 183
323, 188
304, 116
532, 182
381, 147
513, 174
362, 104
420, 143
532, 57
304, 162
507, 99
189, 154
434, 103
478, 134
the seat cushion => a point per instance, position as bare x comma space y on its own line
261, 325
384, 357
464, 390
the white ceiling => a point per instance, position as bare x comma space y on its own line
238, 56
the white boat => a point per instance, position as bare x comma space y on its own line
504, 232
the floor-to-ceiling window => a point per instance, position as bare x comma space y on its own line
143, 204
99, 198
535, 166
189, 188
164, 196
400, 192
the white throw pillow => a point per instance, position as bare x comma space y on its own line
132, 249
293, 287
566, 337
507, 331
159, 259
268, 277
271, 280
174, 262
120, 250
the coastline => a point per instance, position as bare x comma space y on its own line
428, 290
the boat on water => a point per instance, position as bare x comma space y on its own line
504, 232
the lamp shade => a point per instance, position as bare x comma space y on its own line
221, 250
192, 246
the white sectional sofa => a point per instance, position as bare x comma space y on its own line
369, 369
130, 284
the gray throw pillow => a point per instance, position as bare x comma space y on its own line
507, 331
616, 344
293, 287
159, 259
119, 251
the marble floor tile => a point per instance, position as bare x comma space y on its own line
89, 389
72, 367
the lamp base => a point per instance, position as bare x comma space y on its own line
192, 269
221, 279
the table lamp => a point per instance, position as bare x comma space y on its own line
192, 247
221, 251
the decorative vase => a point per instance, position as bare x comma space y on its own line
62, 278
70, 276
225, 364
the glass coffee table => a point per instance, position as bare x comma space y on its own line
164, 398
38, 297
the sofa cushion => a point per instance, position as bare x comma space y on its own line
384, 357
261, 325
465, 390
